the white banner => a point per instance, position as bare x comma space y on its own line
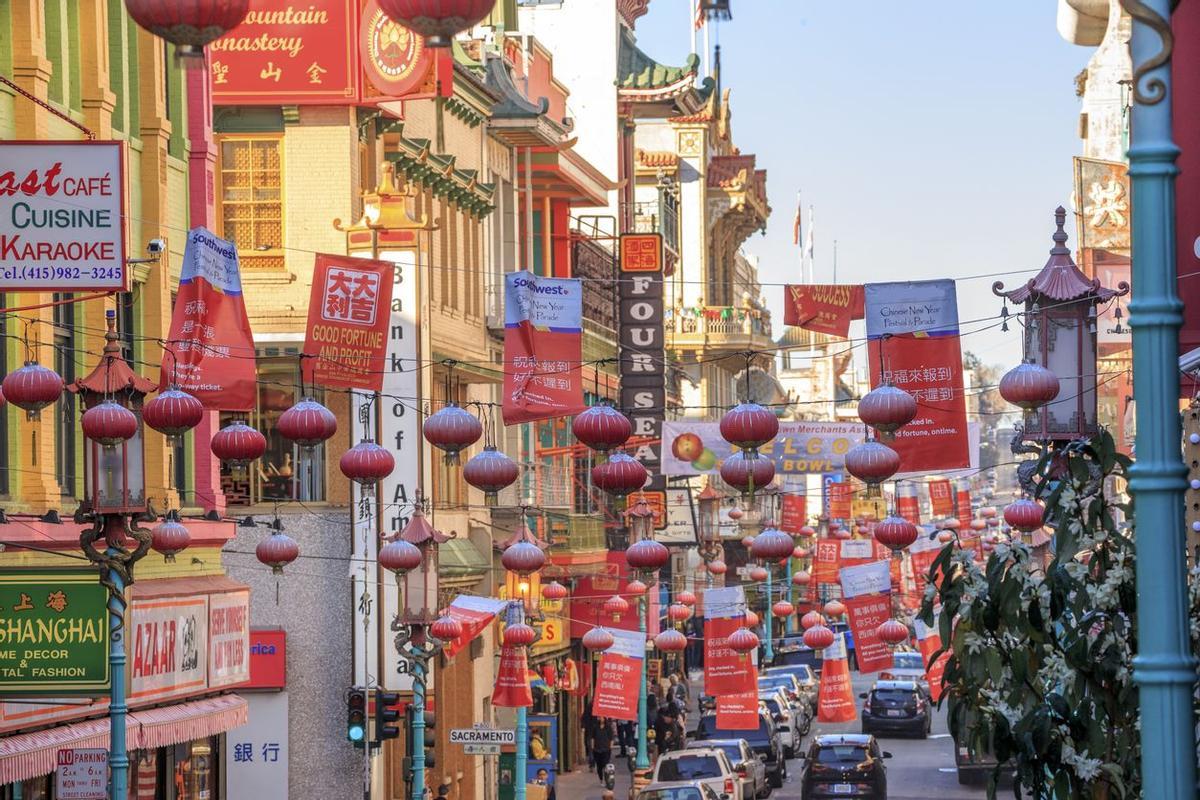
167, 647
724, 603
680, 529
631, 644
857, 548
229, 638
865, 579
923, 307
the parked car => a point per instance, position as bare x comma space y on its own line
805, 676
844, 765
751, 771
907, 666
785, 681
898, 706
678, 790
792, 651
765, 742
785, 720
707, 765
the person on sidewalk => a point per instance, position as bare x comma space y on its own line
668, 733
602, 742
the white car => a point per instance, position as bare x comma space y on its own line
775, 702
752, 772
703, 765
907, 666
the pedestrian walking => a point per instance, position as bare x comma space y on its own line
602, 742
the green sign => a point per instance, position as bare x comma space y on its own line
53, 632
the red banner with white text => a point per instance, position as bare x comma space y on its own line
908, 505
841, 499
823, 308
512, 680
738, 712
618, 677
826, 557
866, 592
793, 513
725, 671
835, 699
962, 501
543, 347
941, 497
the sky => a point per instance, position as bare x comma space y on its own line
933, 138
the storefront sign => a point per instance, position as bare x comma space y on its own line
642, 340
61, 223
268, 659
167, 646
823, 309
543, 346
82, 774
287, 55
53, 633
681, 526
229, 638
618, 677
257, 753
826, 556
348, 314
395, 60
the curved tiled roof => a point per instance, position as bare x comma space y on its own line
1060, 280
636, 70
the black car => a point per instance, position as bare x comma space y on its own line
844, 765
898, 707
791, 650
765, 742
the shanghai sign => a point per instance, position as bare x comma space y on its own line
53, 633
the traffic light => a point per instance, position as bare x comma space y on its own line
386, 716
356, 717
430, 737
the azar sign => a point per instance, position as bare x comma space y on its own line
642, 339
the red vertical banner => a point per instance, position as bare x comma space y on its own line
826, 560
922, 553
941, 497
835, 700
738, 712
866, 592
929, 641
349, 310
962, 501
908, 505
619, 676
841, 498
725, 671
793, 514
543, 347
512, 680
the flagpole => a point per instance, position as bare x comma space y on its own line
693, 7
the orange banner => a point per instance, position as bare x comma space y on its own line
929, 642
512, 680
793, 514
835, 702
909, 507
738, 712
826, 561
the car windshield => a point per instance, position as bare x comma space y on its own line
841, 754
775, 681
674, 793
893, 695
772, 704
908, 661
734, 751
686, 768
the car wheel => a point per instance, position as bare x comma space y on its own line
776, 778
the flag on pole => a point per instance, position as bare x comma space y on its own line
701, 17
796, 222
808, 245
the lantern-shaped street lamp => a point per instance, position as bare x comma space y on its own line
708, 522
419, 603
1060, 336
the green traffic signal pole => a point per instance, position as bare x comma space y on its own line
1164, 668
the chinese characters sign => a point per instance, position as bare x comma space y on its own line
284, 54
725, 671
619, 675
60, 216
941, 498
348, 315
394, 59
866, 591
823, 309
642, 366
543, 347
53, 633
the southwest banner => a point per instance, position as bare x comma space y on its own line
542, 347
866, 592
474, 614
210, 346
349, 310
835, 700
912, 330
793, 514
929, 641
618, 677
823, 308
941, 498
512, 680
725, 671
800, 448
738, 712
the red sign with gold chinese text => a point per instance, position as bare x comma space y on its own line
349, 310
394, 59
290, 55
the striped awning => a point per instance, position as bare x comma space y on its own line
28, 755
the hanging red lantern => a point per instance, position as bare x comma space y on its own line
636, 588
818, 637
173, 412
887, 409
617, 606
519, 635
238, 444
1029, 386
993, 522
671, 641
277, 551
978, 524
799, 551
783, 608
717, 567
170, 536
945, 536
987, 512
437, 20
746, 473
801, 578
452, 429
307, 423
367, 463
620, 475
446, 629
749, 426
1025, 515
686, 597
896, 533
647, 555
32, 388
743, 640
399, 556
808, 531
597, 639
772, 545
601, 428
735, 514
554, 592
678, 612
811, 619
758, 574
109, 423
834, 608
191, 25
843, 533
747, 541
523, 558
872, 462
951, 523
892, 631
491, 472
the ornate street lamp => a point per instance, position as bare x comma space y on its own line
646, 557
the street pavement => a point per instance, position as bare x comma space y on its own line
919, 769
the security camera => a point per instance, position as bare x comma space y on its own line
156, 246
1190, 361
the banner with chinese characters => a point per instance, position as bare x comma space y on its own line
725, 671
793, 515
210, 349
618, 677
912, 329
841, 499
739, 712
823, 308
826, 556
800, 448
512, 689
349, 310
474, 614
543, 347
929, 641
866, 591
835, 699
908, 504
643, 340
962, 503
941, 497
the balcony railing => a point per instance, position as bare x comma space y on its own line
721, 321
659, 216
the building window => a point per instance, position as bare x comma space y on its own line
64, 417
251, 172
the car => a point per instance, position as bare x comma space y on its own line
707, 765
752, 773
907, 666
785, 681
844, 765
805, 676
897, 706
781, 711
678, 790
792, 651
765, 741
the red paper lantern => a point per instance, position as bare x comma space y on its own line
523, 558
491, 472
238, 444
1029, 386
671, 641
1025, 515
32, 388
749, 426
783, 608
647, 555
446, 629
109, 423
952, 523
834, 608
554, 591
735, 514
597, 639
872, 462
452, 429
747, 541
367, 463
188, 24
978, 524
758, 574
896, 533
307, 423
399, 556
620, 475
170, 536
842, 533
717, 567
173, 412
636, 588
678, 612
801, 578
799, 551
945, 536
617, 606
818, 637
437, 20
887, 409
519, 635
746, 472
601, 428
686, 597
808, 531
743, 640
987, 512
811, 619
772, 545
892, 631
277, 551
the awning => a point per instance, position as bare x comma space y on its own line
459, 558
28, 755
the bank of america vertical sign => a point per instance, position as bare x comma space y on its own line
642, 339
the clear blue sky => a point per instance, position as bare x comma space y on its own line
934, 138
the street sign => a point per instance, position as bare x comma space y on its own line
82, 774
485, 736
481, 749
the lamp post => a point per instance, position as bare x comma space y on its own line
640, 520
115, 501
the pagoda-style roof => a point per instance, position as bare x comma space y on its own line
418, 530
113, 374
515, 119
1060, 280
416, 161
641, 79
